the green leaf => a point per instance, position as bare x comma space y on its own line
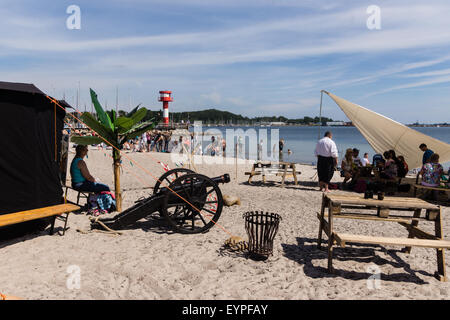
139, 115
129, 114
124, 124
86, 140
140, 129
102, 115
99, 128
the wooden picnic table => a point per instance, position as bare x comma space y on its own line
283, 169
380, 210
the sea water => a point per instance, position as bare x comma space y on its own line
301, 140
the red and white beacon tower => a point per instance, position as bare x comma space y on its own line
165, 97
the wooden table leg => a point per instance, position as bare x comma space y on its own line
251, 174
330, 238
414, 223
441, 274
284, 175
322, 216
294, 174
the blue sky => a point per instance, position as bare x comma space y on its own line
265, 57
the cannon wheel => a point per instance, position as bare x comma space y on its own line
202, 207
170, 176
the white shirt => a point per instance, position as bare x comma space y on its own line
365, 162
326, 148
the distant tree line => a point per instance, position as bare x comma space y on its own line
214, 116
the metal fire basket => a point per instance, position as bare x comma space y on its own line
261, 230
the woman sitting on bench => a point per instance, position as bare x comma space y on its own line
81, 178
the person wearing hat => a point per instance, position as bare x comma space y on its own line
356, 158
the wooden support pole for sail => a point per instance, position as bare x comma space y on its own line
320, 113
235, 160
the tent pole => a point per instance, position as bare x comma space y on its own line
320, 114
55, 132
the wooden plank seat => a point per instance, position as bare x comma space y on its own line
343, 238
267, 172
34, 214
417, 185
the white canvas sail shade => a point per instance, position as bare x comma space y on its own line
385, 134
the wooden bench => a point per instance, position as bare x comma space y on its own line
34, 214
417, 186
380, 210
343, 238
438, 244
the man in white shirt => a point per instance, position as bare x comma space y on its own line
327, 158
365, 161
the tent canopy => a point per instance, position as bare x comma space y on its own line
385, 134
30, 146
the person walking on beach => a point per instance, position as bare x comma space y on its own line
327, 157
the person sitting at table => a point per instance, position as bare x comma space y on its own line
347, 165
402, 167
390, 168
365, 160
81, 178
356, 158
431, 173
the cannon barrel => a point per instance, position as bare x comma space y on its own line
222, 179
225, 178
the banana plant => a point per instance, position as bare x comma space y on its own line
116, 131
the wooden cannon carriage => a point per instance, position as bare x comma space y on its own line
191, 203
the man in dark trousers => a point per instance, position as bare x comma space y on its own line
327, 158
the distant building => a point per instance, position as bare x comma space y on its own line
277, 123
336, 123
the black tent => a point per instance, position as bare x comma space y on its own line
30, 144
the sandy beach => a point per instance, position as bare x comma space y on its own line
149, 261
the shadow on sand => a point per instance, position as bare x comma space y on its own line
306, 251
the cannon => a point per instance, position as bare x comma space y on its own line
192, 203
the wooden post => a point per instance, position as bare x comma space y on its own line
441, 274
330, 237
235, 161
118, 193
322, 216
295, 173
414, 223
